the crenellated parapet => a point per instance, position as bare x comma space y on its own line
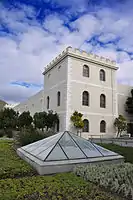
81, 55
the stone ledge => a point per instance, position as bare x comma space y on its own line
81, 54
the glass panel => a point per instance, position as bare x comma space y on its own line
70, 147
42, 155
41, 145
104, 151
57, 154
87, 147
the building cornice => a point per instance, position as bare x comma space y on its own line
82, 55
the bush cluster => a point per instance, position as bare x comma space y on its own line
7, 132
117, 178
64, 186
10, 121
29, 135
2, 133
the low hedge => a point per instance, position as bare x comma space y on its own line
10, 164
117, 178
28, 135
1, 133
64, 186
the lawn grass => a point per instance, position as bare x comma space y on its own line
18, 182
127, 152
10, 164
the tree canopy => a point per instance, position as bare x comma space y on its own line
51, 119
39, 120
76, 118
8, 118
120, 124
24, 119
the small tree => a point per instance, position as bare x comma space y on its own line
51, 119
76, 118
39, 120
8, 120
24, 120
120, 124
129, 103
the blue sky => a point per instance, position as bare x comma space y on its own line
32, 32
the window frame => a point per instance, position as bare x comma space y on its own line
58, 98
86, 72
102, 101
58, 126
85, 99
48, 102
84, 128
102, 75
102, 126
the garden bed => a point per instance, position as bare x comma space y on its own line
10, 164
18, 181
64, 186
117, 178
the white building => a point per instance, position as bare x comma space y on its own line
10, 105
76, 80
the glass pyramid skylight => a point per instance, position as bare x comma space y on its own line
65, 146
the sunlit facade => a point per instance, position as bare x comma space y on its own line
76, 80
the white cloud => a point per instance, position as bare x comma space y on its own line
25, 53
126, 72
74, 6
123, 57
107, 53
87, 25
107, 37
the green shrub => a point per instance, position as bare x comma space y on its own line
29, 135
2, 133
6, 132
47, 133
116, 177
9, 133
64, 186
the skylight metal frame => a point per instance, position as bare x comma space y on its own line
78, 144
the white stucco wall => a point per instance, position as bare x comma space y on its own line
123, 92
95, 87
33, 104
56, 80
65, 74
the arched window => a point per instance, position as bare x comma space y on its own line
58, 126
102, 126
85, 98
86, 125
48, 100
102, 101
102, 75
85, 71
58, 98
